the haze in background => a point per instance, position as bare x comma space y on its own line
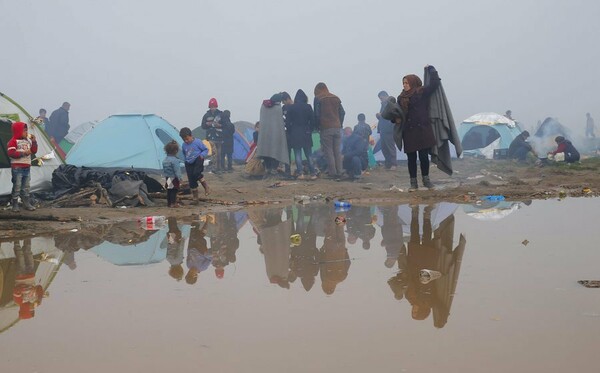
536, 58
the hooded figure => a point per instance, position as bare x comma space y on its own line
272, 143
300, 124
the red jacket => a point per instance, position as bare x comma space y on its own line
17, 146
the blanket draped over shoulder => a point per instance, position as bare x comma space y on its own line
444, 129
392, 112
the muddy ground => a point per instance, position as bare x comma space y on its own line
472, 179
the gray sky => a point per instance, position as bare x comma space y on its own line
537, 58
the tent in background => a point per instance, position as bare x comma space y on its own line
483, 133
543, 139
125, 141
75, 134
41, 176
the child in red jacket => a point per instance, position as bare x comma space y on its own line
20, 148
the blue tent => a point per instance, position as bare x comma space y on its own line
482, 133
125, 141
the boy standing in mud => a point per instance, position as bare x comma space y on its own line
20, 148
194, 152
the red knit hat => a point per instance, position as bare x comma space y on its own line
213, 103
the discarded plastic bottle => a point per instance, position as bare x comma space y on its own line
152, 222
493, 198
342, 203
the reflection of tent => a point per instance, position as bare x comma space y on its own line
75, 134
44, 274
142, 253
40, 176
126, 141
492, 211
482, 133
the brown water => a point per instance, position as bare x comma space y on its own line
503, 304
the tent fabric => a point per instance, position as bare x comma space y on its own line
75, 134
125, 141
41, 176
482, 133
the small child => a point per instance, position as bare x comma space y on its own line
194, 152
172, 172
228, 132
20, 148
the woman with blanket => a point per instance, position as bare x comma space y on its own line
272, 144
417, 135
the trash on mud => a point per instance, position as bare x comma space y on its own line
525, 242
394, 188
152, 223
295, 239
428, 275
562, 194
586, 191
475, 177
493, 198
280, 184
592, 284
340, 220
301, 199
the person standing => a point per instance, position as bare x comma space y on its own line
329, 118
418, 136
272, 144
58, 124
211, 122
299, 121
172, 172
228, 133
20, 148
386, 133
589, 126
42, 120
194, 152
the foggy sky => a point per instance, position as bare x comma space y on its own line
537, 58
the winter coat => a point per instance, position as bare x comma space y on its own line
299, 122
228, 130
417, 133
58, 125
209, 121
329, 112
271, 137
17, 146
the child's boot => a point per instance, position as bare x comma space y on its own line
195, 199
27, 204
205, 186
15, 205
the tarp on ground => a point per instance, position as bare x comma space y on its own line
125, 141
482, 133
11, 111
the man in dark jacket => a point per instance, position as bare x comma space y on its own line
386, 132
58, 125
519, 147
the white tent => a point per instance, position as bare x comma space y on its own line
41, 176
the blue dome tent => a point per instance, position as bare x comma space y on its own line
483, 133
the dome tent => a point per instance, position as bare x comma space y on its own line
41, 176
125, 141
482, 133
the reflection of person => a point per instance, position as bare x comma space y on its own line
304, 257
274, 240
417, 134
565, 146
433, 251
589, 126
519, 147
20, 148
391, 234
175, 250
58, 124
386, 131
334, 260
198, 259
359, 225
224, 242
26, 293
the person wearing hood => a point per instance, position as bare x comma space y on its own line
211, 122
418, 137
565, 146
329, 118
272, 145
299, 120
386, 132
228, 133
20, 148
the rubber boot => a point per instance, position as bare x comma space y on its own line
195, 200
15, 205
413, 184
27, 204
427, 183
205, 186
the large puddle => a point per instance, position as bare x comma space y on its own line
429, 288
